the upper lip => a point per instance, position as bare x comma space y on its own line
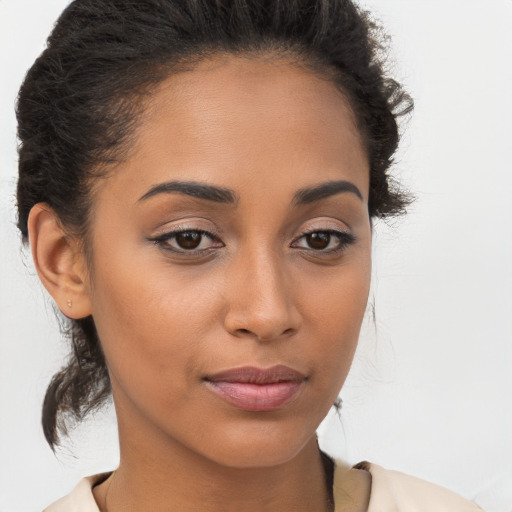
254, 375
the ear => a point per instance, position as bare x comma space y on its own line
59, 262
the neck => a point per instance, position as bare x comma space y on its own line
158, 474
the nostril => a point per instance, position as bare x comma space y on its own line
252, 333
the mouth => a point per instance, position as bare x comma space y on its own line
257, 389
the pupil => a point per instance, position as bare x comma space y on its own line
188, 239
318, 240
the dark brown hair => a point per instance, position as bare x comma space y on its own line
80, 102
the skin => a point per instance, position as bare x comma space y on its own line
256, 294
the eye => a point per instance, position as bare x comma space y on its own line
326, 241
187, 241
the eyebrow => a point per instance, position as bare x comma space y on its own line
224, 195
311, 194
194, 189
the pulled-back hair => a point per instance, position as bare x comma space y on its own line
81, 100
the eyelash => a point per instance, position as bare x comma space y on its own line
345, 239
161, 239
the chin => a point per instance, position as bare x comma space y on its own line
264, 449
253, 459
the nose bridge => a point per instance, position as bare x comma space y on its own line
260, 302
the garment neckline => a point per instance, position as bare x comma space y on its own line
334, 470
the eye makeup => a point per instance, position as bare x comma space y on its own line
192, 242
188, 241
328, 241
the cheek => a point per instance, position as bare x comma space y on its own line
150, 320
152, 341
335, 311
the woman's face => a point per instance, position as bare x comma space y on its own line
231, 256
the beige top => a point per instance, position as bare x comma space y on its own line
391, 491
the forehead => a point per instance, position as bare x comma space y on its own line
238, 121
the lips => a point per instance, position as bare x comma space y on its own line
257, 389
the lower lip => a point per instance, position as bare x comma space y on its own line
257, 397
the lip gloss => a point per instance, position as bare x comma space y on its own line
255, 389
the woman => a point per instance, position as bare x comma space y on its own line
198, 184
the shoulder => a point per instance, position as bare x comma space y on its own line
80, 499
397, 492
393, 491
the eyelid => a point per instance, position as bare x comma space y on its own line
176, 231
334, 227
213, 233
171, 233
349, 237
324, 223
186, 223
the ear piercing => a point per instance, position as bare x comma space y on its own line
70, 303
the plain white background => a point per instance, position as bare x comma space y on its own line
430, 391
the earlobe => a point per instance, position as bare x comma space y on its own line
59, 262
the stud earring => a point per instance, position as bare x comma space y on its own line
70, 303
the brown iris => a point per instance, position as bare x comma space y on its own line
189, 239
318, 240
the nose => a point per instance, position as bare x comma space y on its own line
261, 301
